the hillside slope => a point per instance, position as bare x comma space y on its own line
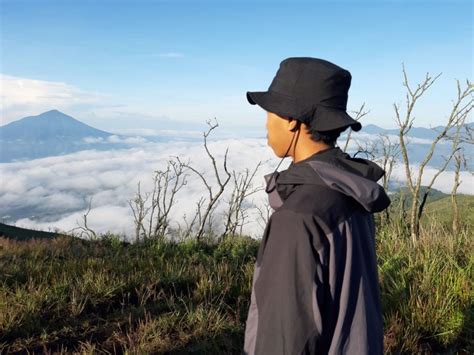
441, 210
17, 233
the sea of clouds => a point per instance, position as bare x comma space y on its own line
54, 193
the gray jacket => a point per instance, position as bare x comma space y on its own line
315, 287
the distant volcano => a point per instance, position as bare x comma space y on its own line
50, 124
48, 134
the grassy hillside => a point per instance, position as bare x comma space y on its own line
69, 295
434, 195
438, 209
23, 234
441, 210
63, 294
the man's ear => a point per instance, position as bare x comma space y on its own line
294, 126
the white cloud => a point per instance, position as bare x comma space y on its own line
63, 185
127, 140
362, 137
178, 133
444, 182
93, 140
186, 116
142, 132
101, 218
110, 178
415, 140
22, 97
114, 139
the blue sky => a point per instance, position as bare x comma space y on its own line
154, 64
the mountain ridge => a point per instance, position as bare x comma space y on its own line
418, 132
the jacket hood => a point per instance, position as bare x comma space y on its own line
354, 177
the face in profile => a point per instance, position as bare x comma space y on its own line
279, 133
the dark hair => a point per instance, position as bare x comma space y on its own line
328, 137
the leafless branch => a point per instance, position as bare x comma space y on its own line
151, 210
236, 214
205, 218
84, 228
264, 215
461, 108
358, 115
140, 211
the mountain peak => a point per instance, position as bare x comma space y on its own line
47, 125
52, 111
54, 114
49, 133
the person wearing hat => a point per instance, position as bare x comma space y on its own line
315, 287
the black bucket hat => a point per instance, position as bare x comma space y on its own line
309, 89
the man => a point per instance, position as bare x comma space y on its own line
315, 285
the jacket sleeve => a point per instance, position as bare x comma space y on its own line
287, 293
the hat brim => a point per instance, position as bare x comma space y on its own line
274, 102
326, 118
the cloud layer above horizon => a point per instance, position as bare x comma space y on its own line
60, 188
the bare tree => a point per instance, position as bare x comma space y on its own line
368, 148
236, 213
461, 107
384, 152
140, 210
401, 214
358, 115
151, 210
462, 134
387, 155
459, 161
189, 226
84, 229
166, 185
205, 217
264, 214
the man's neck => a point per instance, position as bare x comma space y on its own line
303, 152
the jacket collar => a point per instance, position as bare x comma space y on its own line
343, 168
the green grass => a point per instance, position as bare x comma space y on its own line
441, 210
69, 295
427, 291
433, 196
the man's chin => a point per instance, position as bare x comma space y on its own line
279, 155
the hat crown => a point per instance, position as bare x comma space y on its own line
312, 81
311, 90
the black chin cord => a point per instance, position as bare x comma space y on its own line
281, 161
